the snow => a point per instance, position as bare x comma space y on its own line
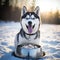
50, 40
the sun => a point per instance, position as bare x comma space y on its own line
46, 5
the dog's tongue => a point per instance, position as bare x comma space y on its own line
30, 29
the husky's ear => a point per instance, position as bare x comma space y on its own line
37, 10
23, 11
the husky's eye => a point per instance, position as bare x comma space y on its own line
33, 18
27, 18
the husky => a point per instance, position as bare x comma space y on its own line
29, 33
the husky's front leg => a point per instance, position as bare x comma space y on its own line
42, 53
18, 51
17, 47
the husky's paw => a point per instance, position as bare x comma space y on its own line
40, 53
44, 53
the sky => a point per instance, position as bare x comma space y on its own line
45, 5
48, 5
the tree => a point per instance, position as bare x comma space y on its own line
57, 19
6, 3
0, 2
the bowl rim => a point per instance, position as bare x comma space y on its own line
21, 45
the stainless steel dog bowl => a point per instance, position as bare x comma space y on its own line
31, 50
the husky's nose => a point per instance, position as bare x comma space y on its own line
30, 23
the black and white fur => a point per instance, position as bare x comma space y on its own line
24, 36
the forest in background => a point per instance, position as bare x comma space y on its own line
10, 10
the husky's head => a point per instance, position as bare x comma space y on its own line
30, 20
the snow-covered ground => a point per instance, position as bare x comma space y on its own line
50, 40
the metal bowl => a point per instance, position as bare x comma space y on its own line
31, 50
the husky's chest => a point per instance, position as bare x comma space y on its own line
28, 39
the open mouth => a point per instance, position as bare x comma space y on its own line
30, 28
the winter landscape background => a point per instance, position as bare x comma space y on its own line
50, 40
10, 16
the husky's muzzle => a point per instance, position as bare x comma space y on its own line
30, 27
